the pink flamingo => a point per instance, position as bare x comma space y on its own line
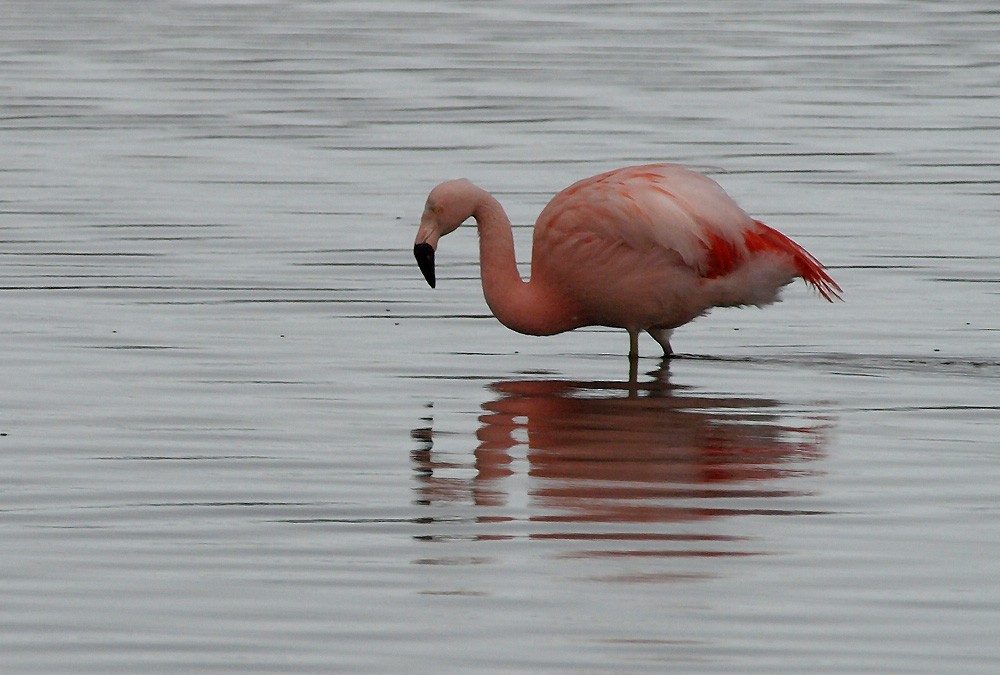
641, 248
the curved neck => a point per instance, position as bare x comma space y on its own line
520, 305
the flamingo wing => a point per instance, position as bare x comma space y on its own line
671, 209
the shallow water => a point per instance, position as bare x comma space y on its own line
239, 432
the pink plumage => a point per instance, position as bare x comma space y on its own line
642, 248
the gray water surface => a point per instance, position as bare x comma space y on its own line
239, 433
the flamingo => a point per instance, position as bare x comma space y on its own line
644, 248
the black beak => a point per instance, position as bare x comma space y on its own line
424, 253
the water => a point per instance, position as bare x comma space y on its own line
240, 433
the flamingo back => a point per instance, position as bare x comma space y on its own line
664, 205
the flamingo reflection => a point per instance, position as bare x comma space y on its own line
626, 452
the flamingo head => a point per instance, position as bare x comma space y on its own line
449, 205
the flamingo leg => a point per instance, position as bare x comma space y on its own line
633, 344
662, 337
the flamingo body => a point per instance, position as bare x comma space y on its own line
641, 248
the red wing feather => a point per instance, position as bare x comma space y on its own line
811, 270
723, 256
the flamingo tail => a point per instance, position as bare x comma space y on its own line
766, 238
